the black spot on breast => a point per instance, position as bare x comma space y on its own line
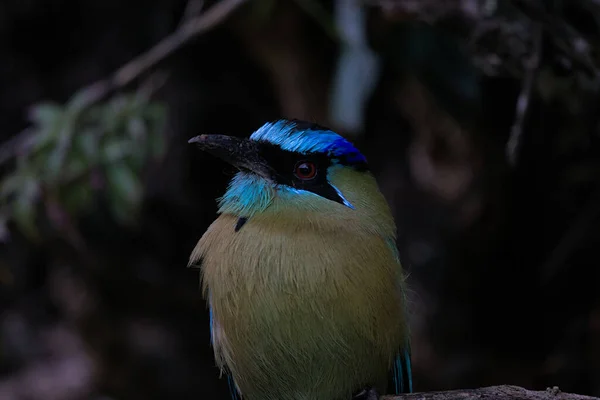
240, 222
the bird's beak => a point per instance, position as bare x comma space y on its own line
243, 154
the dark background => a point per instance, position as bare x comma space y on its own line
501, 257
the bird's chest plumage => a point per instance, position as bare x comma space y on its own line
299, 311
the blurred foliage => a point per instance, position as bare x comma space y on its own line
498, 255
77, 152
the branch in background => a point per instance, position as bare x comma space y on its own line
357, 71
432, 11
190, 27
514, 141
192, 9
504, 392
499, 33
564, 36
506, 38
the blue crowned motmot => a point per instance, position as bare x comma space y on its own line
301, 270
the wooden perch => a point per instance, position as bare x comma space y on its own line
504, 392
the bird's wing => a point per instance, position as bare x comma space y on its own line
214, 328
215, 333
235, 395
402, 372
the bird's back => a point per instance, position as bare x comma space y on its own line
302, 308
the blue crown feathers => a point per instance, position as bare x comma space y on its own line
308, 138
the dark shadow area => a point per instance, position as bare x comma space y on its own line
502, 259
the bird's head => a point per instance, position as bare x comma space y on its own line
294, 167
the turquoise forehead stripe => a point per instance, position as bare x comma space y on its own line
285, 135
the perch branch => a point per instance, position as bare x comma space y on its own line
191, 27
504, 392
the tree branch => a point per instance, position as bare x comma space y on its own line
187, 31
504, 392
507, 30
522, 107
191, 27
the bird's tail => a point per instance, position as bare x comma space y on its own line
402, 373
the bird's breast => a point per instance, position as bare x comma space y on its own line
301, 300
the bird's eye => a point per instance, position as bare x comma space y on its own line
305, 170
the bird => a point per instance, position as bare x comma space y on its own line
300, 270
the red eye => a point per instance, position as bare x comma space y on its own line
305, 170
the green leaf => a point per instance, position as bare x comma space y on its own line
114, 115
70, 142
136, 127
156, 144
24, 208
51, 165
45, 114
156, 115
115, 150
9, 185
124, 191
48, 118
75, 169
43, 139
86, 145
54, 163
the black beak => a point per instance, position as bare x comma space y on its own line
243, 154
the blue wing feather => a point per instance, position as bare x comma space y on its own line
232, 389
210, 318
230, 383
402, 373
